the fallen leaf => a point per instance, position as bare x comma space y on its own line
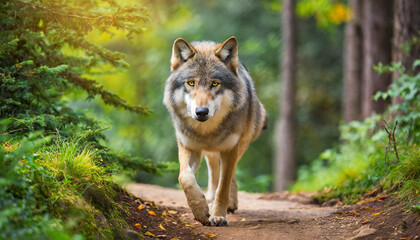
348, 212
149, 234
164, 214
211, 235
161, 236
174, 239
161, 227
376, 214
353, 213
373, 192
140, 207
137, 225
189, 225
152, 213
172, 212
366, 221
366, 208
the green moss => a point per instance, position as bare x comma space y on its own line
65, 178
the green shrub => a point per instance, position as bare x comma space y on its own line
373, 155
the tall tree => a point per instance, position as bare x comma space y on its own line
377, 47
353, 63
406, 27
285, 128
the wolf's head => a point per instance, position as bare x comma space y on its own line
204, 79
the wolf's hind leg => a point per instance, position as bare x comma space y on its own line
221, 202
233, 195
213, 166
189, 163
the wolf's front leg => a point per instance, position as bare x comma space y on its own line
213, 166
189, 162
221, 202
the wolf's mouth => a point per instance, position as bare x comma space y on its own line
202, 119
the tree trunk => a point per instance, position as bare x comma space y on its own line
377, 47
353, 64
285, 129
406, 26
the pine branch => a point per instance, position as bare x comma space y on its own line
109, 98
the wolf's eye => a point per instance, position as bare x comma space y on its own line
191, 83
215, 84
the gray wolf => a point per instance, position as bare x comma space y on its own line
216, 114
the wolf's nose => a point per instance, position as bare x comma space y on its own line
202, 112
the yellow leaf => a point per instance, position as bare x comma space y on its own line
376, 214
140, 207
137, 225
366, 208
211, 235
152, 213
161, 227
366, 221
189, 225
149, 234
172, 212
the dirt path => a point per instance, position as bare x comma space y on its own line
287, 216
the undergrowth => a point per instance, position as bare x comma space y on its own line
55, 178
374, 153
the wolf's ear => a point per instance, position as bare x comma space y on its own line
228, 53
181, 52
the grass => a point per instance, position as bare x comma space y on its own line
404, 177
58, 190
68, 160
364, 160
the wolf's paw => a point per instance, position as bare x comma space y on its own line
233, 205
217, 221
201, 212
231, 209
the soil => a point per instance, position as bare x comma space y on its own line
274, 216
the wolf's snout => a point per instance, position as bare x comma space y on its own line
202, 113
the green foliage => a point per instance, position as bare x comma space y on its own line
327, 13
22, 215
404, 176
405, 91
360, 150
370, 156
57, 191
55, 187
36, 71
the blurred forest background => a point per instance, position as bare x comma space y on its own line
81, 90
257, 26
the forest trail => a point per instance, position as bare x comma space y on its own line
287, 216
